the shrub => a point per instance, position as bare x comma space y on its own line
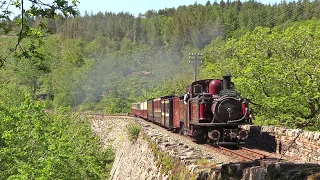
39, 145
133, 131
87, 106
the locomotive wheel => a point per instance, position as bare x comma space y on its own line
200, 138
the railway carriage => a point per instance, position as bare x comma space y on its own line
177, 116
163, 111
138, 110
134, 108
157, 110
143, 110
150, 110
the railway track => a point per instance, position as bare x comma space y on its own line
239, 152
125, 115
242, 153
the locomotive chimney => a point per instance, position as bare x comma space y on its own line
226, 81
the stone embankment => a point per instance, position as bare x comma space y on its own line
132, 160
160, 154
156, 154
297, 145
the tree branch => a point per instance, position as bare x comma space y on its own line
8, 5
256, 104
22, 25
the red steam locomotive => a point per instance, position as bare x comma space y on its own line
213, 112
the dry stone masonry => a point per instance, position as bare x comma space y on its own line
132, 160
138, 160
135, 160
298, 145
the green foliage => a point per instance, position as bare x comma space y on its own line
88, 103
106, 61
39, 145
278, 70
31, 24
48, 104
133, 131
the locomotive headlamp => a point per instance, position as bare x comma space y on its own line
214, 135
243, 135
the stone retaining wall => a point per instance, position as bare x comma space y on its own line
132, 161
155, 155
138, 160
300, 145
269, 169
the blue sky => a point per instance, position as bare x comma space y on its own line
132, 6
139, 6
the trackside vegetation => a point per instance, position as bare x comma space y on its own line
277, 68
133, 131
52, 66
116, 59
35, 144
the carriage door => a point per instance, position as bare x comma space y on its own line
186, 115
163, 112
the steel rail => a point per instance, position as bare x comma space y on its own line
238, 154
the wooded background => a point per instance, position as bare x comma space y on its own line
54, 63
106, 61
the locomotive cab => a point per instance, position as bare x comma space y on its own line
197, 89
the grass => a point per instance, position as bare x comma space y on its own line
133, 131
206, 163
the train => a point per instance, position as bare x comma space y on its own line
213, 112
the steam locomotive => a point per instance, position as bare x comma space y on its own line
213, 112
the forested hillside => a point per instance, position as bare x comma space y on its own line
54, 63
106, 61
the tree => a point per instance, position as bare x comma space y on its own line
278, 70
35, 144
38, 9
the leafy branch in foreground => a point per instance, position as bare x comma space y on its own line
37, 10
39, 145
